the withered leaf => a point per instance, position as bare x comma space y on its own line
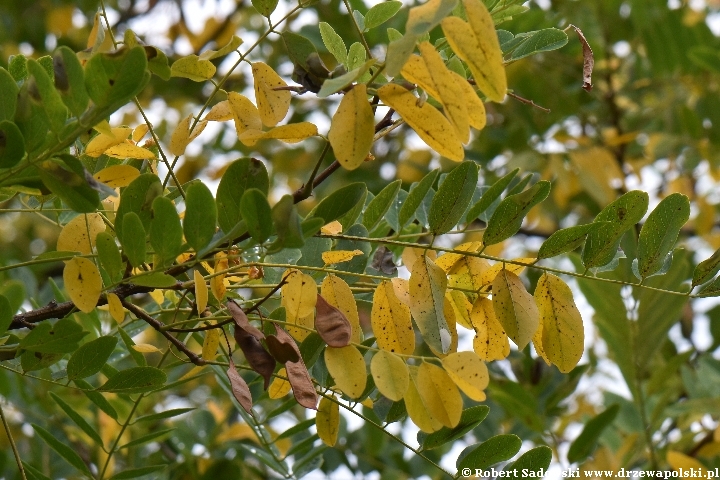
241, 320
239, 388
588, 60
298, 375
331, 324
282, 351
383, 261
258, 358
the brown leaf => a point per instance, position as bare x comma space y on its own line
258, 358
283, 352
383, 261
298, 375
239, 388
241, 320
331, 324
588, 60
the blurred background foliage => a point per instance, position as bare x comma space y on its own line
652, 121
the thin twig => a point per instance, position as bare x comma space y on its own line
12, 443
528, 102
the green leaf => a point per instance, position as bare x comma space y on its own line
488, 453
428, 284
155, 280
65, 176
381, 13
97, 398
33, 473
90, 357
229, 47
163, 415
135, 380
138, 197
660, 232
378, 206
490, 195
508, 216
137, 472
194, 68
12, 144
333, 42
566, 239
602, 244
109, 255
6, 315
706, 269
62, 337
70, 80
138, 357
452, 198
356, 56
147, 438
584, 445
17, 66
470, 418
62, 449
536, 460
8, 95
242, 174
415, 197
165, 230
78, 419
287, 224
256, 211
265, 7
340, 202
31, 361
200, 216
158, 62
530, 43
333, 85
299, 48
42, 90
114, 78
133, 239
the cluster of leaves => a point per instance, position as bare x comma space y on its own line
148, 258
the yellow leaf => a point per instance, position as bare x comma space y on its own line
477, 44
244, 112
80, 232
129, 150
279, 386
272, 104
201, 292
468, 273
339, 256
430, 125
338, 294
491, 341
599, 171
217, 283
210, 344
157, 296
181, 136
97, 33
416, 407
117, 176
104, 127
439, 394
194, 68
83, 283
221, 111
468, 372
448, 260
489, 275
391, 375
327, 421
332, 228
102, 142
475, 106
347, 367
562, 334
140, 132
449, 313
292, 133
678, 460
145, 348
299, 296
428, 284
402, 289
410, 254
461, 307
117, 311
514, 308
391, 322
352, 128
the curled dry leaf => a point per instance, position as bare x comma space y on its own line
298, 375
239, 387
331, 324
383, 261
248, 339
282, 351
241, 320
588, 60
